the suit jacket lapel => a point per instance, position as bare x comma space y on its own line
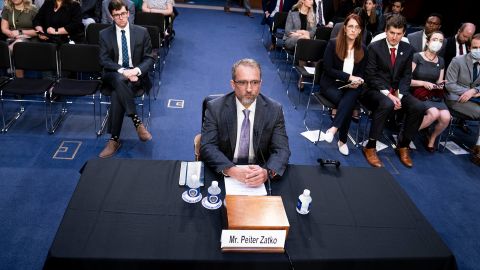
258, 122
115, 44
132, 42
230, 118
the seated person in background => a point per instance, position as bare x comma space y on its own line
91, 11
368, 13
245, 127
17, 17
388, 76
396, 7
418, 40
463, 85
300, 23
272, 8
324, 13
164, 7
60, 21
428, 70
107, 17
124, 72
459, 44
344, 63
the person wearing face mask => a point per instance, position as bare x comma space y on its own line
427, 85
418, 40
463, 86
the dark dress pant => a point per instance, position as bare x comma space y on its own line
345, 99
381, 106
122, 100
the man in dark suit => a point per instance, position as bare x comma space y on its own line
324, 12
418, 40
458, 44
388, 75
126, 57
270, 9
245, 127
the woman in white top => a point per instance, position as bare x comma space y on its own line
341, 83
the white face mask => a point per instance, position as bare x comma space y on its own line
434, 46
475, 54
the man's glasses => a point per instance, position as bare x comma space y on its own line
243, 83
118, 15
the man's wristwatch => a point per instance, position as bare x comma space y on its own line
271, 173
20, 32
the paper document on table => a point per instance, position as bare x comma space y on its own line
235, 187
310, 70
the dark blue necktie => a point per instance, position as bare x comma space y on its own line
124, 50
475, 71
244, 143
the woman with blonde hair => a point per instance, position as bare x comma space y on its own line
300, 23
17, 17
17, 23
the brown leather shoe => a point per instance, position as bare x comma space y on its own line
372, 158
248, 14
143, 133
476, 155
110, 149
226, 9
403, 154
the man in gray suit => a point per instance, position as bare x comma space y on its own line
126, 57
463, 85
418, 40
245, 127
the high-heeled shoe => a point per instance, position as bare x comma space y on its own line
430, 149
328, 137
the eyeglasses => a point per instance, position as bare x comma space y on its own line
123, 15
243, 83
353, 27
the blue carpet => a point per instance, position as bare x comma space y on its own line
35, 187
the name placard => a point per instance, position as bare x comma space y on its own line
253, 239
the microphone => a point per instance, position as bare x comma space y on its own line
268, 173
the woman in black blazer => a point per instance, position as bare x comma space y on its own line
342, 79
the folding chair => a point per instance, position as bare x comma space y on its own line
198, 137
76, 60
307, 52
278, 29
92, 33
323, 33
158, 20
155, 38
5, 63
29, 56
457, 117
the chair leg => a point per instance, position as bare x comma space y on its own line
50, 123
11, 121
104, 122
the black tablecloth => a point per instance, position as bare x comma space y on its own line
128, 214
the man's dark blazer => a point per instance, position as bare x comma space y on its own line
379, 73
333, 68
140, 47
219, 134
328, 10
451, 51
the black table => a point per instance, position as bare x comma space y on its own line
128, 214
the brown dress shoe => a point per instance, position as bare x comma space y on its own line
248, 14
372, 158
110, 149
143, 133
476, 155
403, 154
226, 9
